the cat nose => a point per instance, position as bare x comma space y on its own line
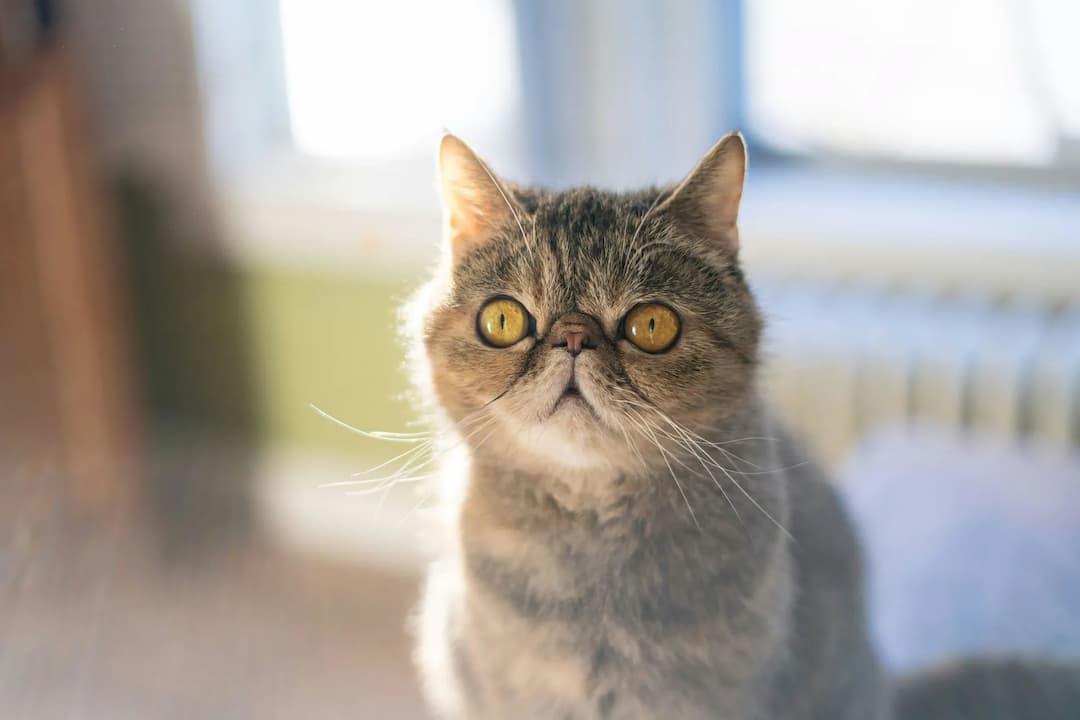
575, 332
574, 338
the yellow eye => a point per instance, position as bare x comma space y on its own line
502, 322
652, 327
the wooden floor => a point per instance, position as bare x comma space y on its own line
94, 624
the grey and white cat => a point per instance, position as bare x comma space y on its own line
629, 532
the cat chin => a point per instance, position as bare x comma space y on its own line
567, 451
570, 439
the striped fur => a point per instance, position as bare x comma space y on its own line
666, 551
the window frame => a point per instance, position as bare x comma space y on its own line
279, 206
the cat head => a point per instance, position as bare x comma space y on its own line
585, 329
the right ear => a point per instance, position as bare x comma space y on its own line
706, 203
475, 203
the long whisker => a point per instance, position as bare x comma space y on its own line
424, 497
411, 452
510, 206
415, 458
699, 440
383, 484
664, 454
376, 435
730, 477
701, 457
650, 428
386, 435
755, 502
632, 446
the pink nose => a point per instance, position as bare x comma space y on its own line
575, 340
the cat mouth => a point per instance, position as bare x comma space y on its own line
571, 396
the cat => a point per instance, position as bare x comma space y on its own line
628, 531
630, 534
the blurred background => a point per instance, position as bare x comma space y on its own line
209, 213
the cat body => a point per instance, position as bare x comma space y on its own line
554, 607
629, 534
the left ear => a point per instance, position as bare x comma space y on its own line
475, 202
706, 203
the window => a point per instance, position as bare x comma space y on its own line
958, 81
380, 80
980, 93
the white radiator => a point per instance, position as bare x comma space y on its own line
845, 360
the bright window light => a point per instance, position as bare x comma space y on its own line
977, 81
382, 79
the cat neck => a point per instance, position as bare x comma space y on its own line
541, 517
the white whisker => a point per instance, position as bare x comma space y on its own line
419, 449
389, 437
689, 436
510, 206
665, 454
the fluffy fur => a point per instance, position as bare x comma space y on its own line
644, 549
653, 545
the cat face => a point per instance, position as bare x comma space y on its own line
588, 329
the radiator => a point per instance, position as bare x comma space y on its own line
842, 361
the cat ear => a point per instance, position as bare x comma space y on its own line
475, 203
706, 203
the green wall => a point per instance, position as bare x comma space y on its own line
229, 358
241, 351
330, 340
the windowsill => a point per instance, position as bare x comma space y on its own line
992, 239
334, 216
